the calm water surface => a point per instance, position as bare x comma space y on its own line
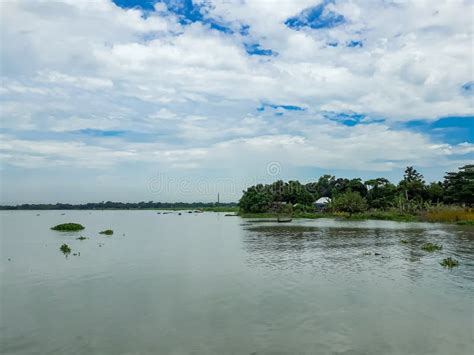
210, 284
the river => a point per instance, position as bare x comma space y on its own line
210, 284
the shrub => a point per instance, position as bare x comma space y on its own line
351, 202
68, 227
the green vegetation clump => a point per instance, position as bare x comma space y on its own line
430, 247
81, 238
449, 262
350, 202
403, 241
107, 232
68, 227
65, 249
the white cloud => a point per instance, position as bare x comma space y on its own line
191, 93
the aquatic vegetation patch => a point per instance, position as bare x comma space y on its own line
107, 232
81, 238
65, 249
430, 247
68, 227
404, 241
465, 223
449, 262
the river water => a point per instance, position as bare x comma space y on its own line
210, 284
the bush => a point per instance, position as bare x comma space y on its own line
351, 202
68, 227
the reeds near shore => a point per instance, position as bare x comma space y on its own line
448, 214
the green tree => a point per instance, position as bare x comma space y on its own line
295, 192
435, 192
381, 193
349, 201
323, 188
412, 186
256, 199
459, 186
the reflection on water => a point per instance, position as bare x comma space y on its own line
209, 284
353, 249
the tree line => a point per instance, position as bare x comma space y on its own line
118, 205
411, 194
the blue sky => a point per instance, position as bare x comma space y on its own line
178, 100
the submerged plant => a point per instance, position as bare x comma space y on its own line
65, 249
430, 247
449, 262
81, 238
404, 241
68, 227
107, 232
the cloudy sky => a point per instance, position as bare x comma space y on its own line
176, 100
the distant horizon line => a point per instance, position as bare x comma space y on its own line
113, 205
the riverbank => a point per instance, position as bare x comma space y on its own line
464, 217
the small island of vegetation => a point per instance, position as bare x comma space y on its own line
449, 262
107, 232
412, 199
65, 249
430, 247
68, 227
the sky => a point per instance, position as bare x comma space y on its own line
139, 100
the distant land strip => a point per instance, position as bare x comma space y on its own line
122, 206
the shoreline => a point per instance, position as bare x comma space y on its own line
406, 218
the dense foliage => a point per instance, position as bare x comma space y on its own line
350, 202
459, 186
411, 194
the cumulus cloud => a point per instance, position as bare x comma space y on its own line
185, 93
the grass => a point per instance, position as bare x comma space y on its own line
258, 215
430, 247
449, 262
449, 215
107, 232
68, 227
381, 216
65, 249
220, 209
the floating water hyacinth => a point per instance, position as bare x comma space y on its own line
68, 227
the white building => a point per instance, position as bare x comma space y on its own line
322, 203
